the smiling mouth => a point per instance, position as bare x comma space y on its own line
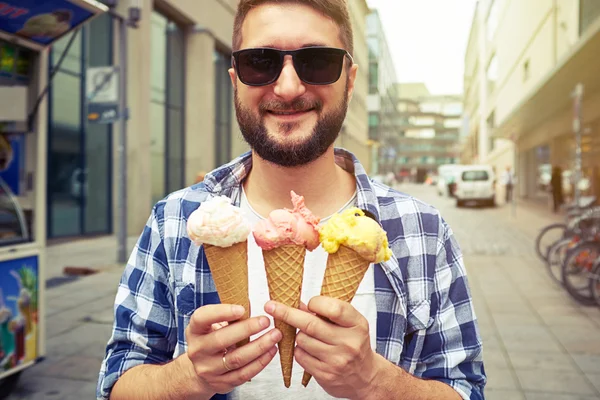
289, 113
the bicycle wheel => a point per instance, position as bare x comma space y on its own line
547, 237
595, 282
577, 269
556, 257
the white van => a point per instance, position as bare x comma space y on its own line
475, 183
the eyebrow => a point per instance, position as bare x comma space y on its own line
315, 44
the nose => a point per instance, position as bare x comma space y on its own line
289, 86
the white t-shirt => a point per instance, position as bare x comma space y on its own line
269, 383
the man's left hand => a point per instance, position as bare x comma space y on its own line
337, 352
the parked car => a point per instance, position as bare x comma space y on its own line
475, 183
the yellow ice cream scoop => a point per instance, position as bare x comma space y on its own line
353, 229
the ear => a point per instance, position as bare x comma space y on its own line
233, 76
352, 72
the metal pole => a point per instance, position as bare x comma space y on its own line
122, 150
578, 94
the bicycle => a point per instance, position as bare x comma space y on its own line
580, 229
561, 229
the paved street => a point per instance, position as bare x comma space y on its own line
538, 343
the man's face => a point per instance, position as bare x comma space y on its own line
289, 122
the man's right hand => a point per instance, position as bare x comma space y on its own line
207, 347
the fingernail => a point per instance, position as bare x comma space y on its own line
270, 307
238, 310
273, 351
264, 322
276, 335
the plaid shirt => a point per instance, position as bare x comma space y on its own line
425, 318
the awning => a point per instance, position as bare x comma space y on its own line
554, 93
37, 24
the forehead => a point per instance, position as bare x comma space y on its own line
288, 26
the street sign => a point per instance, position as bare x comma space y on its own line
103, 113
102, 85
102, 92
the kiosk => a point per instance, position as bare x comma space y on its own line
27, 29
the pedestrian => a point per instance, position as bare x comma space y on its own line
556, 186
509, 181
411, 332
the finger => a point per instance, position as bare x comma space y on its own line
337, 311
310, 364
243, 356
240, 376
223, 338
306, 322
203, 318
314, 347
304, 307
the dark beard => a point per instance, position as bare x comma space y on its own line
297, 153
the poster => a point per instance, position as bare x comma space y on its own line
15, 62
44, 21
18, 312
11, 161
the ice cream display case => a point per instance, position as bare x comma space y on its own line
21, 261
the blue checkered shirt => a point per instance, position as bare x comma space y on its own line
425, 318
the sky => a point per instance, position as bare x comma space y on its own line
427, 39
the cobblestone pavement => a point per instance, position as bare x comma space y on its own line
538, 343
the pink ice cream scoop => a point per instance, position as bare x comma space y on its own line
288, 227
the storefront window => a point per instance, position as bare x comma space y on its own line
79, 153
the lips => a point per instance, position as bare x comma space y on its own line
292, 112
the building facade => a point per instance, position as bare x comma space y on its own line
428, 131
181, 112
522, 65
382, 96
355, 131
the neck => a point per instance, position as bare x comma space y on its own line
325, 186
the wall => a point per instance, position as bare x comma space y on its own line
356, 133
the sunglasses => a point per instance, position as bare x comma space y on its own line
314, 65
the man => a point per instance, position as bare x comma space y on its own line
411, 332
509, 182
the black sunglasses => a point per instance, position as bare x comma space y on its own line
314, 65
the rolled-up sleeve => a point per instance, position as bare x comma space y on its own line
452, 348
144, 329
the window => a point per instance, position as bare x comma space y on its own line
492, 20
492, 74
79, 181
589, 11
475, 176
373, 78
223, 104
373, 119
167, 106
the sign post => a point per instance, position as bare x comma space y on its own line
578, 96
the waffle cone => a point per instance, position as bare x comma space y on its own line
285, 269
229, 269
344, 273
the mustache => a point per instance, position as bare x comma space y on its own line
298, 104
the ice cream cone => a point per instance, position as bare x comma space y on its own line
344, 272
285, 269
229, 269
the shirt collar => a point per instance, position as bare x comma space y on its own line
226, 180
